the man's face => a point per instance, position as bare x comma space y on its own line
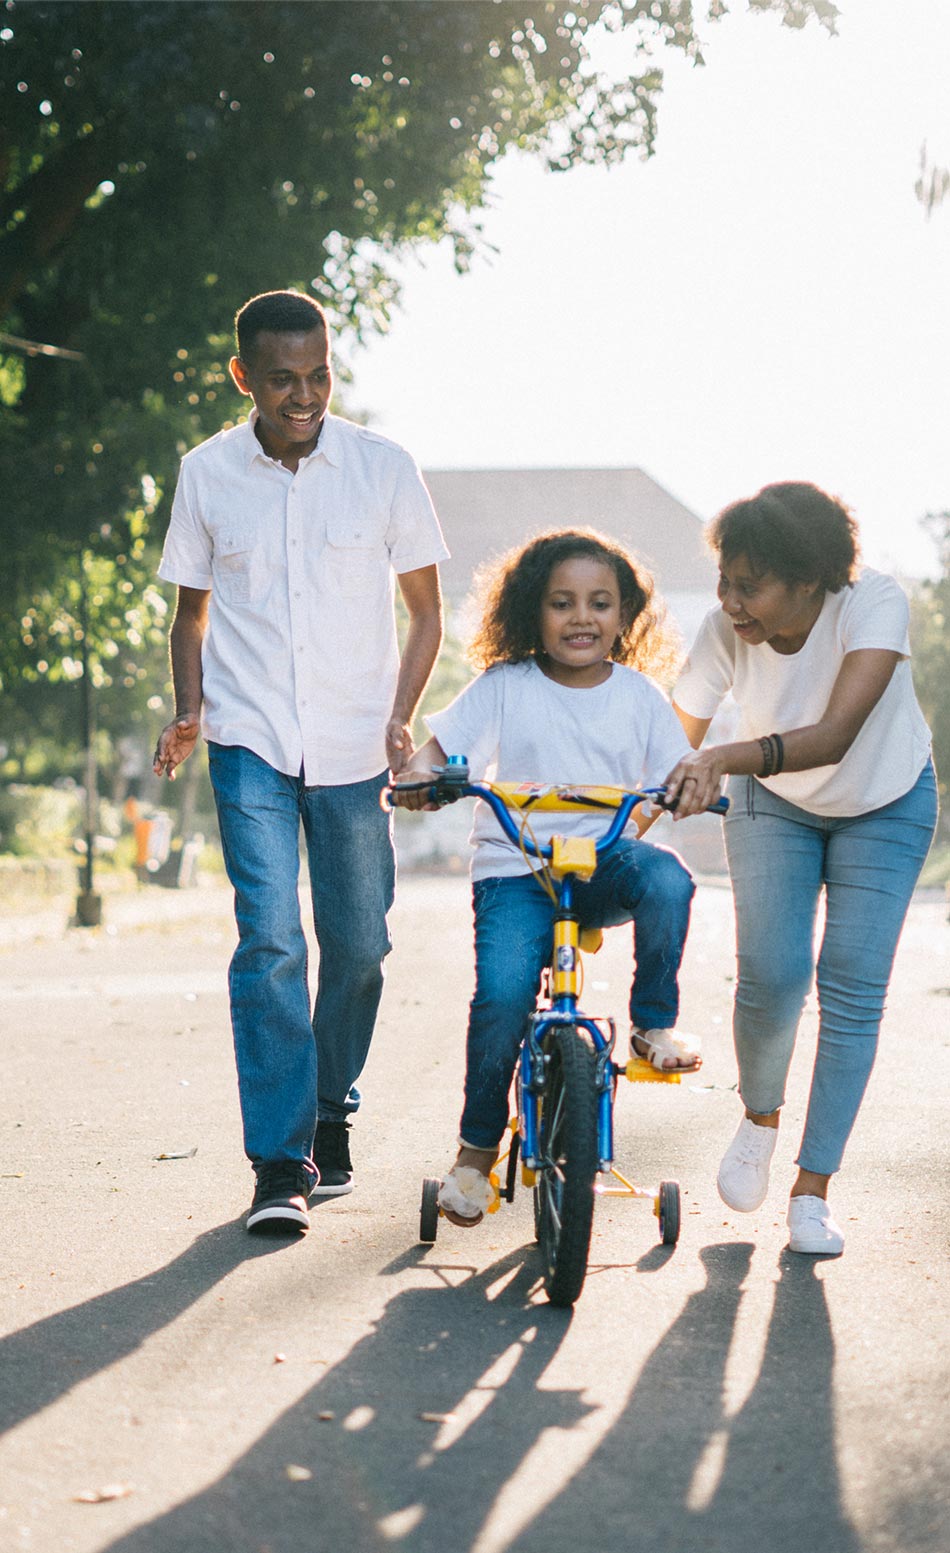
288, 377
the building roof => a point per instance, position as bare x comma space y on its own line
487, 511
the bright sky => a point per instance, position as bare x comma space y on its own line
763, 300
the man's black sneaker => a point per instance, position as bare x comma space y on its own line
331, 1155
280, 1200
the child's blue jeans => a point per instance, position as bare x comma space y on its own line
781, 859
635, 882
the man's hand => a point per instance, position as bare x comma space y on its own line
175, 743
399, 745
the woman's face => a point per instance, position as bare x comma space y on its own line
763, 608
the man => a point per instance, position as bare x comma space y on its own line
285, 535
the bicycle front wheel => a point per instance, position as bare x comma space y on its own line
564, 1187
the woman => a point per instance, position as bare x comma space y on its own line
832, 789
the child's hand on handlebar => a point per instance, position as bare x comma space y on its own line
694, 783
410, 790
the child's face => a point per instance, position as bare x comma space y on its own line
580, 621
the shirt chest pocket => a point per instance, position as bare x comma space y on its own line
235, 568
354, 558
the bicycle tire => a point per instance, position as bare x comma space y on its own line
429, 1210
564, 1190
668, 1212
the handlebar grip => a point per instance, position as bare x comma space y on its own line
720, 806
432, 790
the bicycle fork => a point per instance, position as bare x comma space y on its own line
565, 989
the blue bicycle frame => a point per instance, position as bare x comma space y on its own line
452, 783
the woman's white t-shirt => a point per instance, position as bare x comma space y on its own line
515, 725
776, 692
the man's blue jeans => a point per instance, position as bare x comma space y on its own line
294, 1068
636, 882
781, 858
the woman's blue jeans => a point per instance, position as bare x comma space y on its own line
295, 1067
635, 882
781, 858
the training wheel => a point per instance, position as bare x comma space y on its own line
667, 1210
429, 1210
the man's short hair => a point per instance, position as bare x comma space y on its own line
278, 312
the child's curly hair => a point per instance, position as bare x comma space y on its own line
509, 593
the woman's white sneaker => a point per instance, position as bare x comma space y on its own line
743, 1179
812, 1229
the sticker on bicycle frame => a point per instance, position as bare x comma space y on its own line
565, 957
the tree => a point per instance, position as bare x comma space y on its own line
930, 633
933, 183
161, 162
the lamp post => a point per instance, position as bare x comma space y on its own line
88, 903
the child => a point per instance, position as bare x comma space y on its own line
569, 625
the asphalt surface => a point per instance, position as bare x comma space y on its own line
357, 1391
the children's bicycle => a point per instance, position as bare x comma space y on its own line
566, 1077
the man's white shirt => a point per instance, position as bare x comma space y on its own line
300, 659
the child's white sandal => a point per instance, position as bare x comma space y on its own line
661, 1045
467, 1192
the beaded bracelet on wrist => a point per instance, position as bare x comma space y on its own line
772, 746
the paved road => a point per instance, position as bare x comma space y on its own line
355, 1391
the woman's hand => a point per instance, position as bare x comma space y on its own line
696, 782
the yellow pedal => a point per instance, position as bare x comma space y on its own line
590, 939
495, 1203
527, 1176
639, 1071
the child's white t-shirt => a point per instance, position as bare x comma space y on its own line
776, 692
515, 725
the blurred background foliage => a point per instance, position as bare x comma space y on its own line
162, 162
930, 641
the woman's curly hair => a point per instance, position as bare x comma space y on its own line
509, 592
794, 530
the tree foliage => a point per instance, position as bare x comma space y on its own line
161, 162
933, 183
930, 634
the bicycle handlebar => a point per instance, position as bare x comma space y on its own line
452, 782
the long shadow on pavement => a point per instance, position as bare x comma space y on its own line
438, 1407
679, 1474
422, 1435
42, 1362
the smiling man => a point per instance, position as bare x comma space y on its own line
287, 535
